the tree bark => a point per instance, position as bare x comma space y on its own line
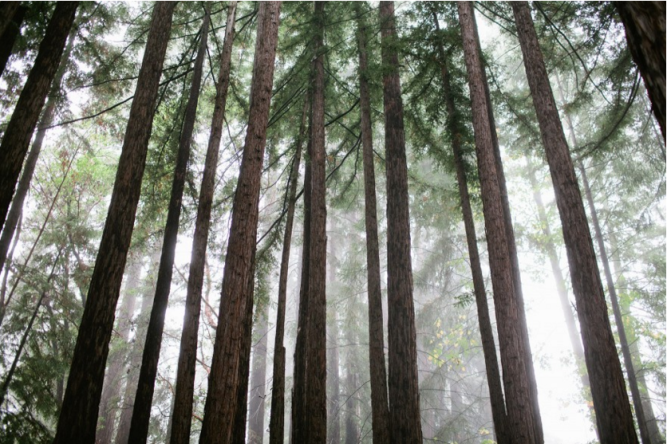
23, 187
277, 421
378, 372
612, 407
645, 31
185, 375
12, 31
80, 406
316, 356
486, 329
521, 424
16, 139
112, 381
403, 380
147, 374
7, 11
220, 410
618, 317
333, 358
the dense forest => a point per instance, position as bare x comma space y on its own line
332, 222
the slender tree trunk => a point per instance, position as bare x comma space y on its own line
220, 410
618, 317
112, 381
185, 375
12, 31
403, 380
277, 421
333, 361
378, 372
610, 398
147, 374
80, 406
352, 408
16, 139
317, 304
486, 329
16, 208
147, 291
521, 421
258, 380
645, 31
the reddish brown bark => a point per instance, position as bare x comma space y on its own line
521, 421
22, 124
317, 316
146, 384
80, 406
378, 372
277, 422
645, 31
486, 329
403, 381
612, 407
185, 375
221, 409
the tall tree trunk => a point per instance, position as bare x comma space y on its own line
610, 398
22, 124
12, 31
7, 11
486, 329
220, 410
147, 291
258, 380
645, 31
618, 317
185, 374
521, 421
80, 406
351, 407
333, 361
316, 356
378, 372
112, 381
23, 187
403, 380
277, 421
147, 374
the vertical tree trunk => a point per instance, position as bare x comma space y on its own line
12, 31
645, 31
146, 384
403, 380
16, 139
80, 406
378, 372
333, 361
521, 421
112, 381
317, 304
618, 317
220, 410
185, 374
147, 291
610, 398
258, 380
351, 408
277, 421
486, 329
23, 187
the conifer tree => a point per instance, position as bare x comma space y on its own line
81, 403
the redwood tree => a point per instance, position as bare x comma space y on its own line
612, 407
80, 406
19, 130
378, 372
404, 414
185, 374
221, 409
522, 423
